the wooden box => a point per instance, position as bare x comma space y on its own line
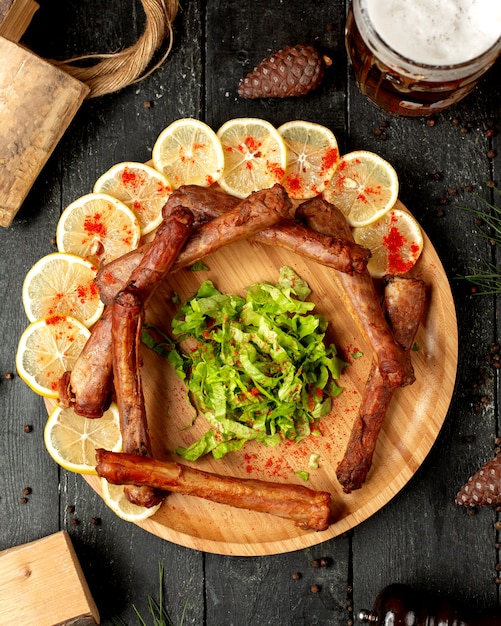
37, 103
42, 584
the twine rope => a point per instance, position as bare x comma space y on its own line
113, 71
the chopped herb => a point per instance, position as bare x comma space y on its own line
313, 463
199, 266
302, 475
260, 369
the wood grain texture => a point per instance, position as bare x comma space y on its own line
29, 575
411, 426
38, 103
15, 17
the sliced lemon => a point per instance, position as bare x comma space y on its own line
188, 152
72, 440
255, 156
312, 158
115, 498
98, 228
62, 283
140, 187
48, 348
395, 240
364, 187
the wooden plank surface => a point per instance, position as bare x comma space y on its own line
421, 536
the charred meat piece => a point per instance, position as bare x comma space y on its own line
205, 203
309, 509
90, 383
404, 301
259, 210
126, 340
88, 386
339, 253
360, 298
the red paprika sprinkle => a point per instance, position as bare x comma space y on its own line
251, 144
54, 319
130, 179
293, 182
275, 169
330, 158
93, 225
394, 241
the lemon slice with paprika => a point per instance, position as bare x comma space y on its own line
255, 156
364, 187
312, 158
98, 228
140, 187
395, 241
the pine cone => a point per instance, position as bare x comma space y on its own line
292, 71
484, 487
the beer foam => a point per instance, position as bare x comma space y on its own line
437, 32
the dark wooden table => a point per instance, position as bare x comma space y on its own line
421, 537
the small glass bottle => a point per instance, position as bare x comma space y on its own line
400, 605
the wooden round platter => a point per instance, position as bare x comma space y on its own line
412, 423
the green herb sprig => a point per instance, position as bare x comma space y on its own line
488, 279
156, 609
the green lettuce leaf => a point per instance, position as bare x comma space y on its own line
260, 368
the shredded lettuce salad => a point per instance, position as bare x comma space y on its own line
259, 369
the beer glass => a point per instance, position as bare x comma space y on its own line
416, 58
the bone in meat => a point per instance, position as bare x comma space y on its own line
360, 298
340, 254
404, 301
259, 210
307, 508
126, 340
345, 256
87, 387
205, 203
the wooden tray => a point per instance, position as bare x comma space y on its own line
412, 424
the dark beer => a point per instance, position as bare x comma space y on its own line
417, 86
